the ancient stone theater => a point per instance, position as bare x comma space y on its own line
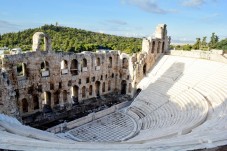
157, 99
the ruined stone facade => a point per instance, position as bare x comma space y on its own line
31, 80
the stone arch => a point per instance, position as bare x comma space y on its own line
75, 91
110, 62
24, 105
35, 102
98, 62
163, 47
90, 90
83, 92
37, 40
125, 63
65, 96
97, 88
74, 67
103, 87
144, 69
123, 87
21, 69
153, 47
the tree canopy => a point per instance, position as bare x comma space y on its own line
72, 40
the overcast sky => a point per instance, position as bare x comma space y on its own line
185, 19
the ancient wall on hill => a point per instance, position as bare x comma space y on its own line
56, 79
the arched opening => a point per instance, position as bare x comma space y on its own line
74, 67
64, 67
110, 62
35, 102
38, 42
44, 66
56, 98
84, 63
83, 92
103, 87
75, 91
137, 92
64, 95
64, 64
47, 98
97, 88
45, 69
21, 69
109, 85
125, 63
24, 105
123, 87
158, 49
98, 61
163, 47
90, 90
144, 69
153, 47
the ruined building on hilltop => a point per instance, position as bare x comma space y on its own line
31, 80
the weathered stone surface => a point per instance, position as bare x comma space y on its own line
34, 79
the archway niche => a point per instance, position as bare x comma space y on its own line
103, 87
64, 67
123, 87
125, 63
44, 69
144, 69
47, 98
110, 62
163, 47
35, 102
74, 67
159, 45
90, 90
83, 92
98, 61
109, 85
84, 63
56, 98
153, 47
24, 105
21, 69
97, 88
65, 96
75, 91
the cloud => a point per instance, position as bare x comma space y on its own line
196, 3
193, 3
6, 26
147, 6
117, 22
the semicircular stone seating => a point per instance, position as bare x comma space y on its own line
182, 106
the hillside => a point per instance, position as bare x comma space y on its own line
72, 40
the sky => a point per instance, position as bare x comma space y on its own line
186, 19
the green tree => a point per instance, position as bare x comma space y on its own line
197, 44
213, 41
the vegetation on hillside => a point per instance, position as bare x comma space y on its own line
71, 40
214, 43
